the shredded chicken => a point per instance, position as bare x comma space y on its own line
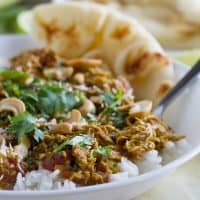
77, 117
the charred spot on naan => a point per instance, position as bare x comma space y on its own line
52, 30
49, 29
121, 32
164, 89
144, 63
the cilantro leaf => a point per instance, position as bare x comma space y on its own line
55, 99
23, 124
8, 74
44, 99
108, 98
82, 140
112, 101
50, 99
11, 88
103, 151
38, 135
71, 101
30, 160
26, 94
119, 119
30, 99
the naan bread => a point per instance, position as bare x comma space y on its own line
78, 29
69, 29
176, 24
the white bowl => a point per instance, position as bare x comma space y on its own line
182, 115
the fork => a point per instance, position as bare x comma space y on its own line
178, 88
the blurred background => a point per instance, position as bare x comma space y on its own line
175, 23
9, 12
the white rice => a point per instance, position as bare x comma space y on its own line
118, 177
42, 180
129, 167
3, 148
45, 180
173, 150
150, 161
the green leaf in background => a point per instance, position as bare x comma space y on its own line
8, 18
5, 3
23, 22
188, 57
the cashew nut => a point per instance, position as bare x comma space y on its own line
21, 150
87, 107
74, 116
84, 63
79, 78
96, 99
59, 73
141, 106
13, 105
62, 128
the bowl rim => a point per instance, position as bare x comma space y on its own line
112, 185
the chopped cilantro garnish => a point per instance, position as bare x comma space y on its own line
8, 74
103, 151
44, 99
24, 124
108, 98
82, 140
55, 99
111, 101
119, 119
30, 160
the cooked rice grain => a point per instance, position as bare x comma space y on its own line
42, 180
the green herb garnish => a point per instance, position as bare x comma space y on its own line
118, 119
24, 124
55, 99
81, 140
31, 100
103, 151
8, 74
30, 160
111, 101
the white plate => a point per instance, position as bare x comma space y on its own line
182, 115
183, 184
